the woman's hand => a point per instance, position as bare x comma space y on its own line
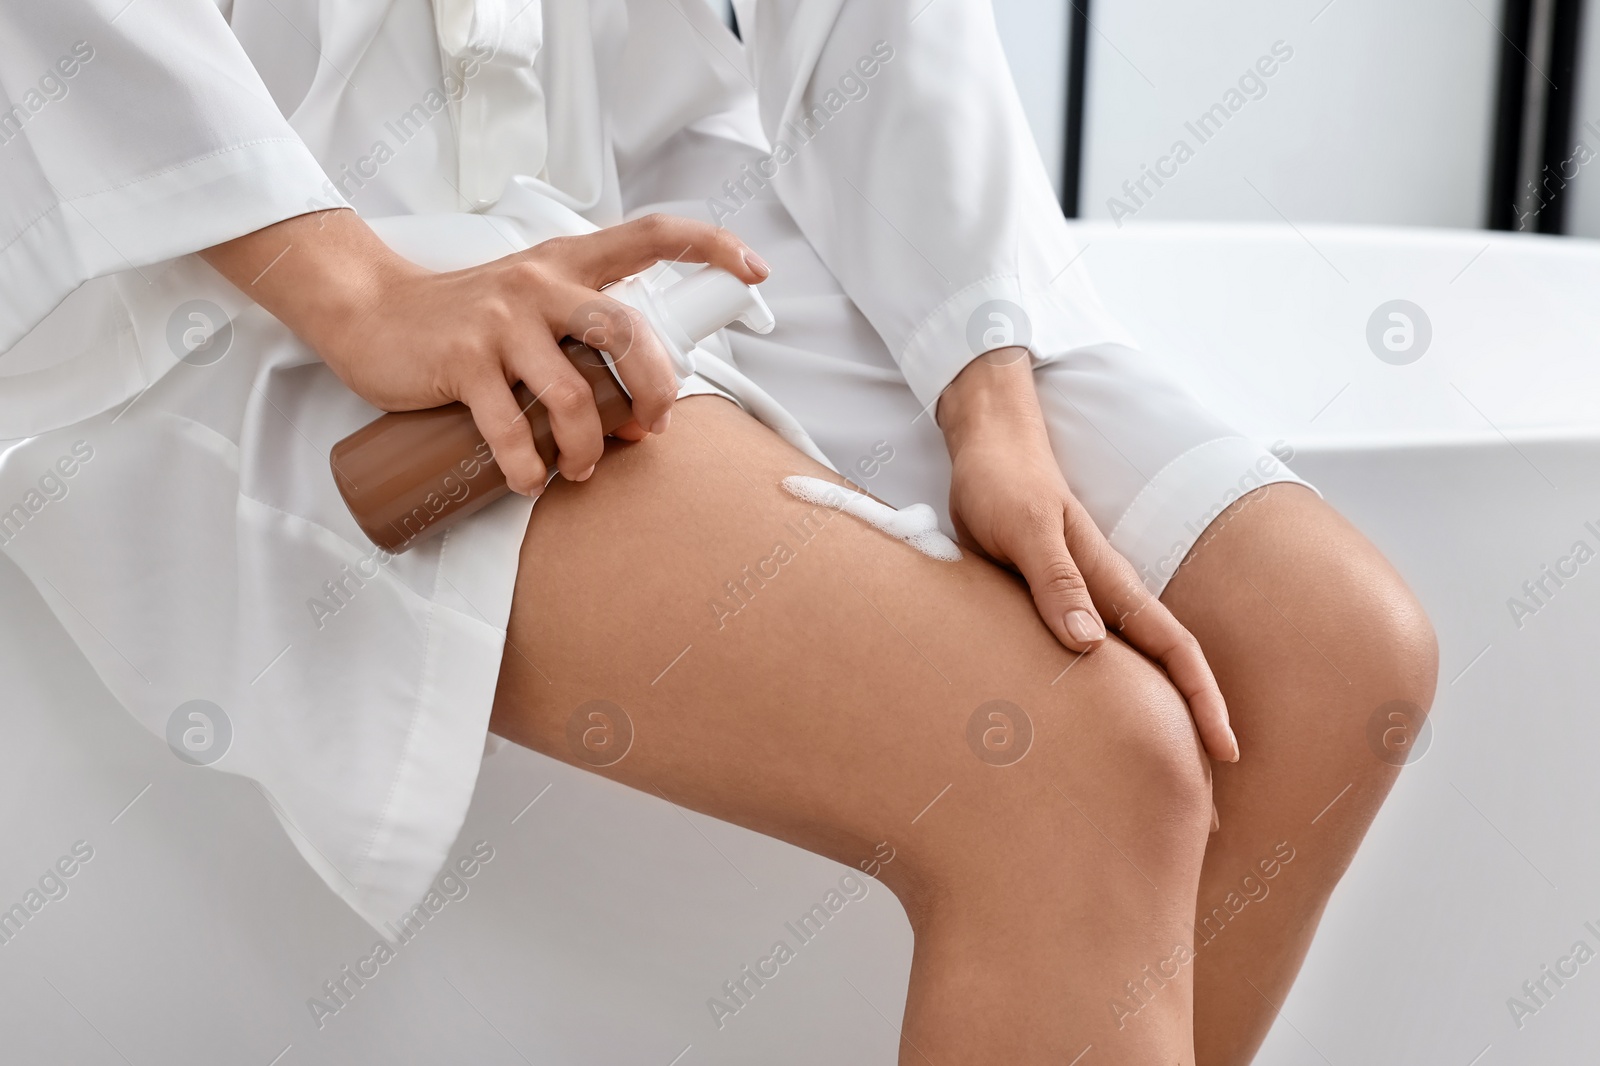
1010, 502
405, 338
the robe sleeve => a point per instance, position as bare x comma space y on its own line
902, 151
131, 132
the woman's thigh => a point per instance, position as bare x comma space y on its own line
684, 626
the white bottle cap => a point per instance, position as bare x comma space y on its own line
708, 298
703, 300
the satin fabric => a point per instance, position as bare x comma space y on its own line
186, 555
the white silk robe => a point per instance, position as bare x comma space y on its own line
200, 551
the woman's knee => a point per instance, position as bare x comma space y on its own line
1407, 648
1396, 666
1284, 583
1143, 738
1114, 763
1366, 620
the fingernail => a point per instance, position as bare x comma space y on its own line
660, 425
1083, 626
756, 263
1235, 742
586, 474
1216, 822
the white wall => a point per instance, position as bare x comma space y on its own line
1384, 114
1035, 34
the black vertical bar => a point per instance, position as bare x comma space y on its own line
1556, 155
1516, 19
1077, 76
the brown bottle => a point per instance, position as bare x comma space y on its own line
410, 475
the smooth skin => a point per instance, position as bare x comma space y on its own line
1310, 632
832, 709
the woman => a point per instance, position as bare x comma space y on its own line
925, 286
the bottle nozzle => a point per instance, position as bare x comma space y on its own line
708, 298
703, 300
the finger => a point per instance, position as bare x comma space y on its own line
567, 399
637, 354
1156, 633
501, 421
630, 431
1059, 590
617, 251
1159, 636
1147, 625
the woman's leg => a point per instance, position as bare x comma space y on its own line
798, 673
1312, 635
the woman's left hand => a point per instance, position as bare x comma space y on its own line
1010, 502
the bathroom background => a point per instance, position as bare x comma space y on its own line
1387, 114
599, 922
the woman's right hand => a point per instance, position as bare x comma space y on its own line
405, 338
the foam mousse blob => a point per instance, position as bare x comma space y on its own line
917, 525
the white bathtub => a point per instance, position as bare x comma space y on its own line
607, 918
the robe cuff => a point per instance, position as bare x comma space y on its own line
999, 311
172, 212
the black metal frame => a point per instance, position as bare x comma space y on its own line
1512, 114
1565, 32
1077, 78
1505, 162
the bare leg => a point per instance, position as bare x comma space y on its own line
832, 711
1310, 632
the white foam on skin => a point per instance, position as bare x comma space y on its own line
916, 525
